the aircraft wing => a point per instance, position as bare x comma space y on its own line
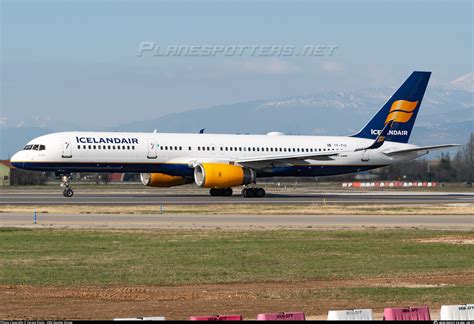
290, 157
420, 149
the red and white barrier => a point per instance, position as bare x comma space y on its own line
389, 184
350, 315
282, 316
217, 318
407, 314
457, 312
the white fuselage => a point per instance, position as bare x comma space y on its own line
177, 154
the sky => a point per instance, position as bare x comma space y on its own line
76, 64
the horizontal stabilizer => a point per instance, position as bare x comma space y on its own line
420, 149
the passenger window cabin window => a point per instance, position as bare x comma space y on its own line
199, 148
78, 147
189, 148
90, 147
118, 147
113, 147
133, 147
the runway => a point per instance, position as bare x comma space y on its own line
201, 198
188, 221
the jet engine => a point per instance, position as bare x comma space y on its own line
163, 180
218, 175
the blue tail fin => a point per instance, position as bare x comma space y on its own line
401, 108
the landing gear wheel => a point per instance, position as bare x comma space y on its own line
253, 192
220, 192
65, 178
227, 192
259, 192
248, 192
68, 192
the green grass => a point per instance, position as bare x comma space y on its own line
170, 257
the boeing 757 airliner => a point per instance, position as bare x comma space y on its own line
220, 162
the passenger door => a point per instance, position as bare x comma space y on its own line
152, 149
66, 148
365, 156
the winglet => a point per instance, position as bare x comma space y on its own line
380, 138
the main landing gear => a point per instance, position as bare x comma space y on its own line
67, 192
247, 192
221, 192
253, 192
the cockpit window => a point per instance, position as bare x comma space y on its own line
27, 147
35, 147
42, 147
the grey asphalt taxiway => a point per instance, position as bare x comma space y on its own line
201, 198
190, 221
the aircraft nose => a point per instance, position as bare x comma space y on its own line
17, 160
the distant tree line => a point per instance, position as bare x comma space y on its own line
24, 178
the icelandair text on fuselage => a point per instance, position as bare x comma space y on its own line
107, 140
390, 132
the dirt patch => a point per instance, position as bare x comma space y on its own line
448, 240
249, 299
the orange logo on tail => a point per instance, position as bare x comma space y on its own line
401, 111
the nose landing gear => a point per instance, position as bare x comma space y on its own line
67, 192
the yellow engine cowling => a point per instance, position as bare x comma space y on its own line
163, 180
218, 175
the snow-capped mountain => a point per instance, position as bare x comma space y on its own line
446, 116
464, 82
